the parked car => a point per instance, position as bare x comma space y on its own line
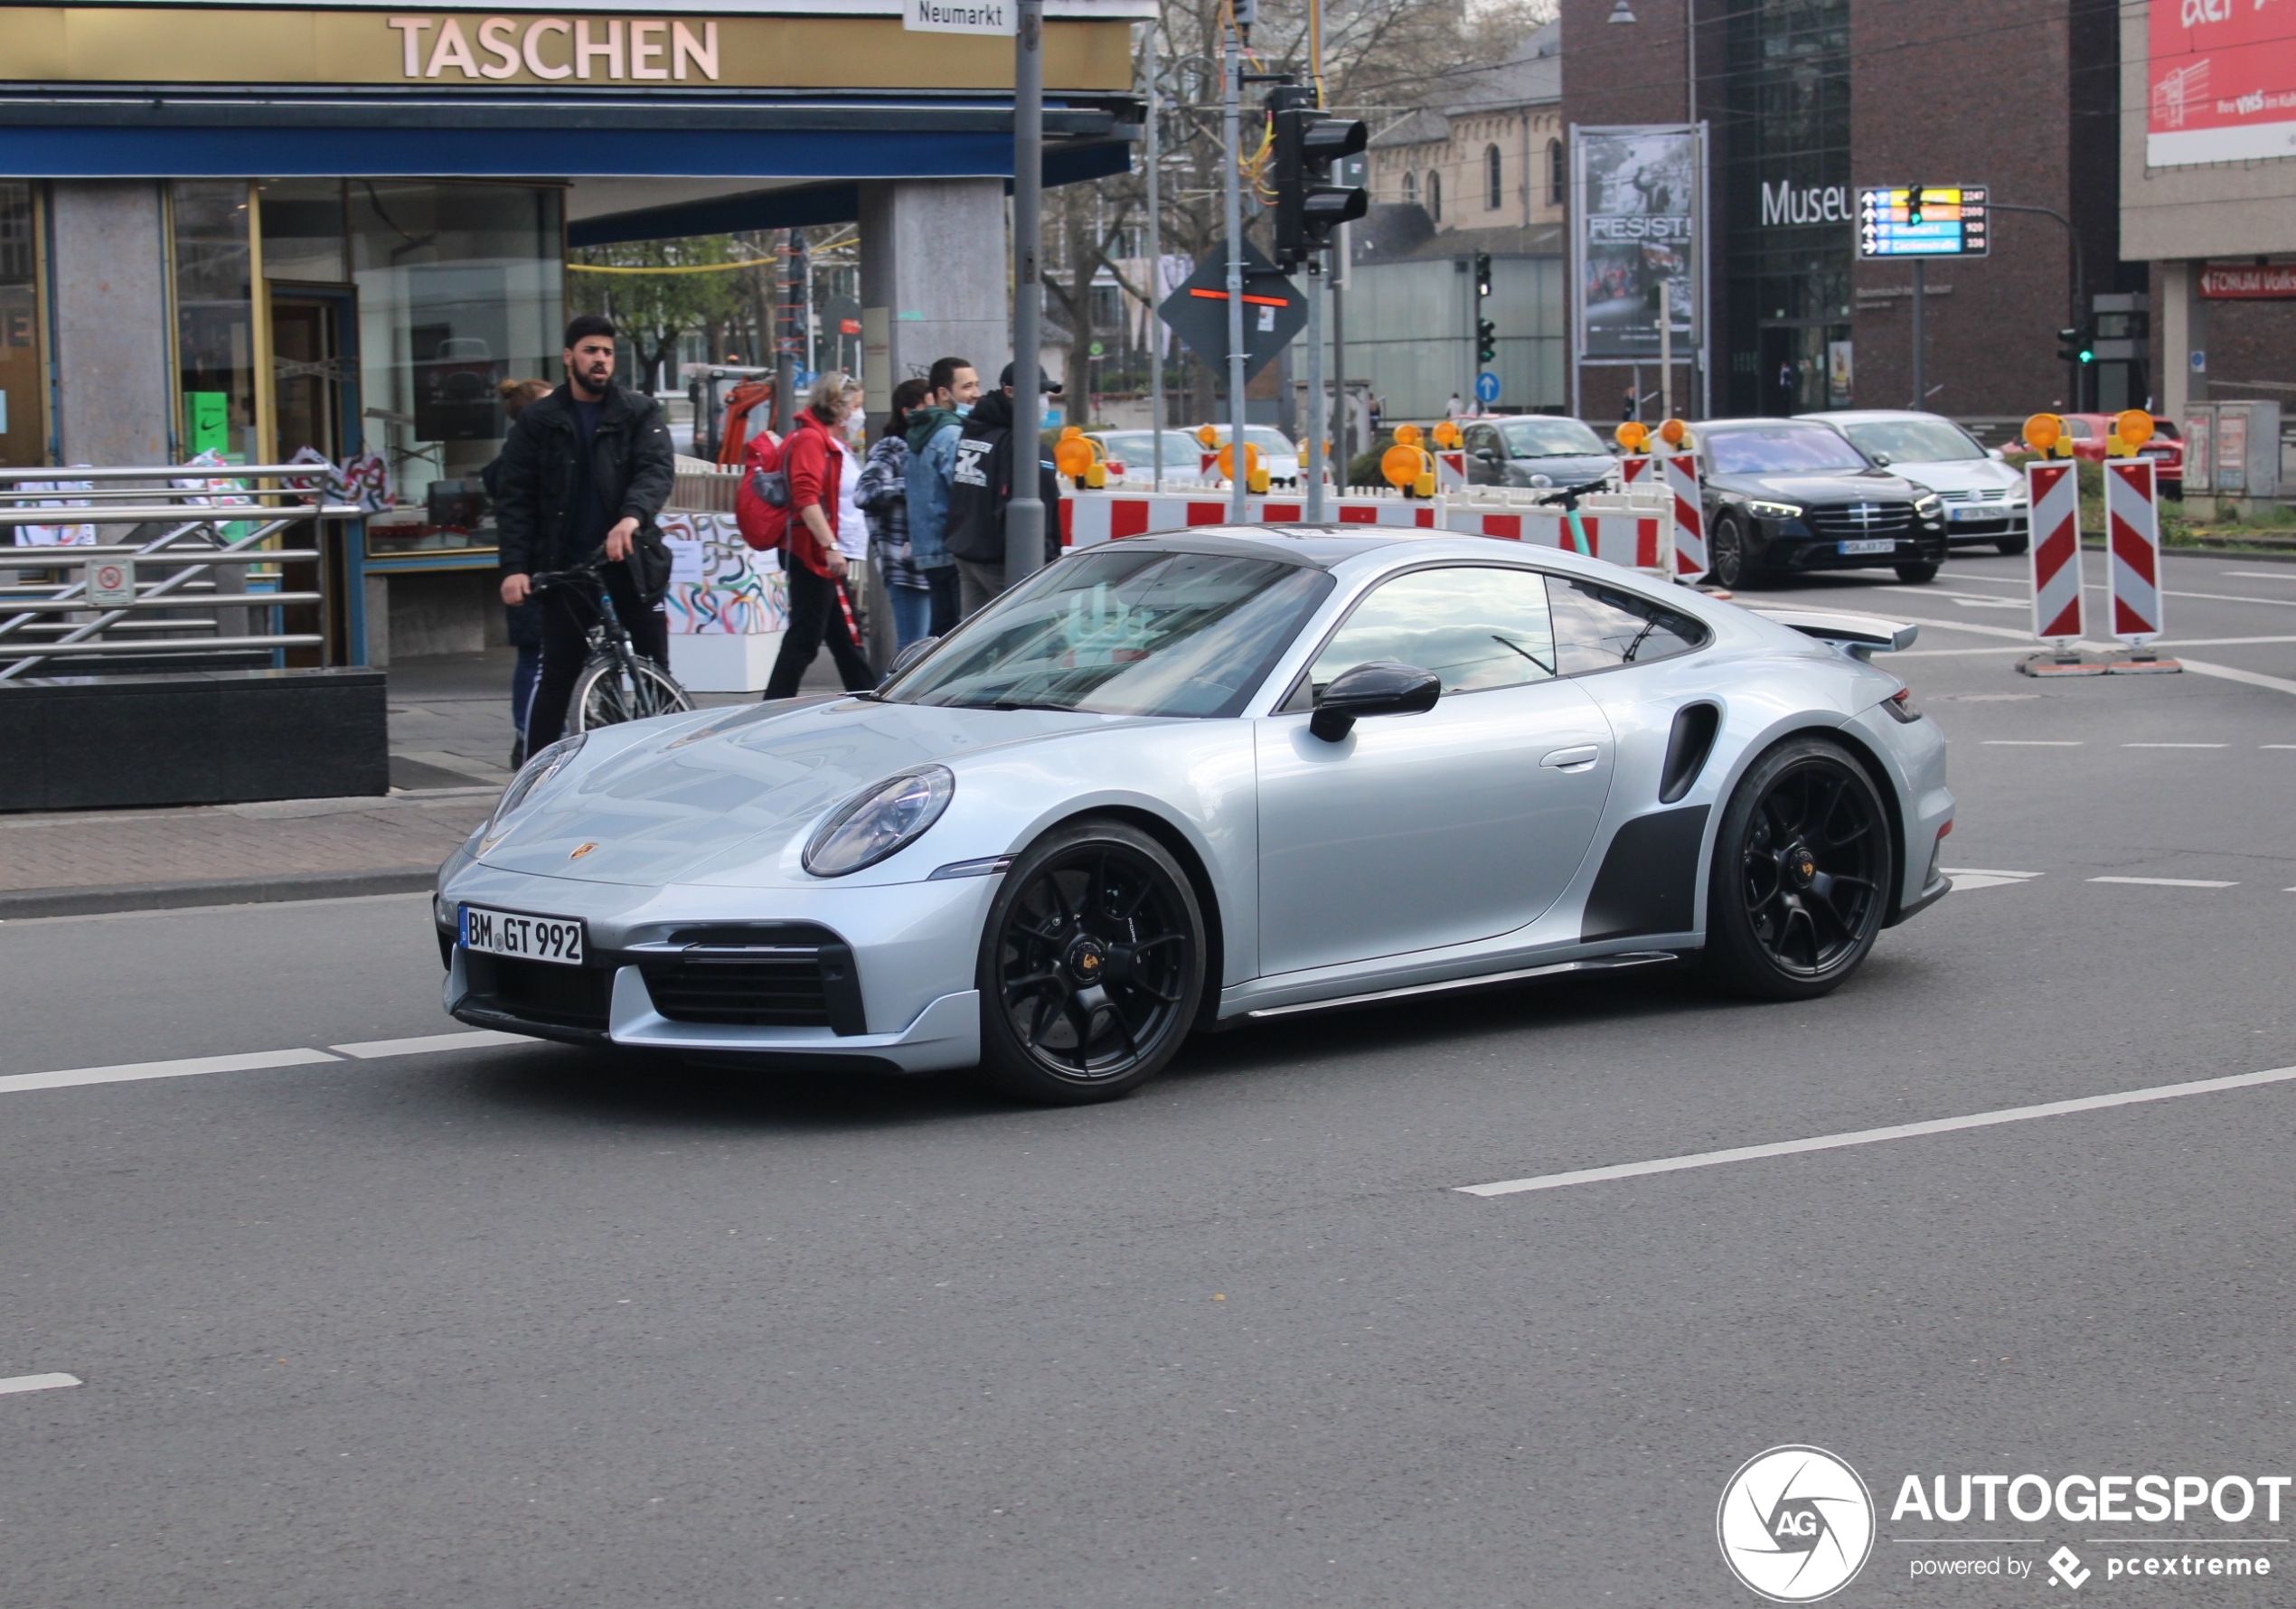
1534, 451
1277, 451
1786, 495
2166, 449
1204, 777
1132, 453
1984, 498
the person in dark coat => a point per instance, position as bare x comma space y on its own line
884, 497
980, 490
590, 466
523, 625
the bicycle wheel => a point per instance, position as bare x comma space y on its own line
606, 696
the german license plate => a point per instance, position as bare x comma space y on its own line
1870, 544
530, 938
1961, 514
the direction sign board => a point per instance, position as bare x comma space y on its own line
1273, 310
1927, 221
1486, 387
961, 17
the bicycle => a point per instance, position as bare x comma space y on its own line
618, 684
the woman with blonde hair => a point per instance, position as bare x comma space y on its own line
815, 567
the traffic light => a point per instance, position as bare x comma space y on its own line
1913, 203
1482, 275
1307, 207
2077, 343
1486, 341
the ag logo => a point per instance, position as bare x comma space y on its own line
1796, 1524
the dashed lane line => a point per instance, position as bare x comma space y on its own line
2176, 746
1969, 879
38, 1382
2166, 882
188, 1067
1875, 1136
2031, 743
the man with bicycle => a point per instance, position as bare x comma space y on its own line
587, 466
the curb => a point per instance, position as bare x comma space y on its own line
30, 904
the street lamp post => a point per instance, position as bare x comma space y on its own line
1024, 515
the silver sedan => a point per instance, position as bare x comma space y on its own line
1178, 781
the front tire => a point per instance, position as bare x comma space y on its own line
1729, 568
1802, 868
2011, 546
1917, 575
1091, 968
604, 697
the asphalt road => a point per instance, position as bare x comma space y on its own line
519, 1325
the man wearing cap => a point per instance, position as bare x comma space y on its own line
980, 490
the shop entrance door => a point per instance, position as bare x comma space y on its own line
314, 391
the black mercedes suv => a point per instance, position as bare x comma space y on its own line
1784, 494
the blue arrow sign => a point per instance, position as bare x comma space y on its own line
1486, 387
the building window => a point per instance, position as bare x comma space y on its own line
1410, 190
1435, 195
24, 378
215, 318
1490, 179
1557, 173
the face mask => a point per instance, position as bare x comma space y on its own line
964, 409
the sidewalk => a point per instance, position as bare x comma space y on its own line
450, 739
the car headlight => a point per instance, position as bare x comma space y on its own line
1775, 511
531, 777
1929, 505
879, 821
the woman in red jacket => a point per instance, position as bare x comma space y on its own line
815, 567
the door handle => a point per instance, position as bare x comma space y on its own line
1581, 759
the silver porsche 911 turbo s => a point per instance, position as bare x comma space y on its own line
1178, 781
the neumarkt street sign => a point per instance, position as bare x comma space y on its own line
1273, 310
961, 17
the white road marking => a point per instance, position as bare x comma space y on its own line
365, 1051
2228, 598
2153, 745
2032, 743
2032, 645
39, 1382
1875, 1136
2260, 745
132, 1071
1967, 879
422, 1045
2260, 575
2166, 882
2224, 673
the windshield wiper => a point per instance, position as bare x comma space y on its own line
1025, 704
1526, 653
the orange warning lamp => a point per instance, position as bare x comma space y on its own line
1078, 456
2133, 427
1251, 466
1447, 434
1406, 435
2043, 433
1207, 437
1404, 465
1633, 435
1674, 433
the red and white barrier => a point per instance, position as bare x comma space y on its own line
1087, 518
1451, 470
2132, 547
2054, 525
1690, 516
1631, 540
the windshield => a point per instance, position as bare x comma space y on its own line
1781, 449
1551, 439
1916, 441
1267, 437
1123, 631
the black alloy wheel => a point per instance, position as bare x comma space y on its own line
1803, 871
1728, 567
1092, 965
2011, 546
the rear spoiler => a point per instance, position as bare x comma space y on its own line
1860, 636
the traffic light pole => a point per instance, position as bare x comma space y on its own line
1024, 515
1232, 204
1318, 413
1921, 344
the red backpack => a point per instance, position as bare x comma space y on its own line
761, 502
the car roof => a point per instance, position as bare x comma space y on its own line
1763, 421
1869, 416
1319, 547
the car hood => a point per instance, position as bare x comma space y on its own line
719, 799
1833, 486
1961, 475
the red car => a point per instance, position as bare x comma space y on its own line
2166, 449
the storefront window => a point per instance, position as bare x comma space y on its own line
461, 288
303, 230
215, 318
23, 380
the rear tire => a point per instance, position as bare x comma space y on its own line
2011, 546
1916, 574
601, 697
1091, 966
1803, 866
1730, 566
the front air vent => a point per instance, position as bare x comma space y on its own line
1695, 726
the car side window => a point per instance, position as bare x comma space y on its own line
2077, 428
1600, 629
1475, 626
1484, 438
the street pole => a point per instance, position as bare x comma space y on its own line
1024, 515
1342, 432
785, 356
1155, 281
1232, 201
1921, 372
1318, 414
1665, 349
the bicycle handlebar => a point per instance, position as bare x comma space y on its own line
1569, 495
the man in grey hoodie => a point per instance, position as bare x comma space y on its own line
952, 387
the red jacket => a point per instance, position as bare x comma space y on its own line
815, 466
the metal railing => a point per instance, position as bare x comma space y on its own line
179, 531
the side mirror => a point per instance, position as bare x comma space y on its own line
1381, 688
1488, 455
1881, 460
908, 657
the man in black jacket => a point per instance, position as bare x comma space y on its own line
588, 465
981, 489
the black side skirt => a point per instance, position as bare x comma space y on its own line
1648, 880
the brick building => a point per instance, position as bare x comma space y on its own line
1808, 99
